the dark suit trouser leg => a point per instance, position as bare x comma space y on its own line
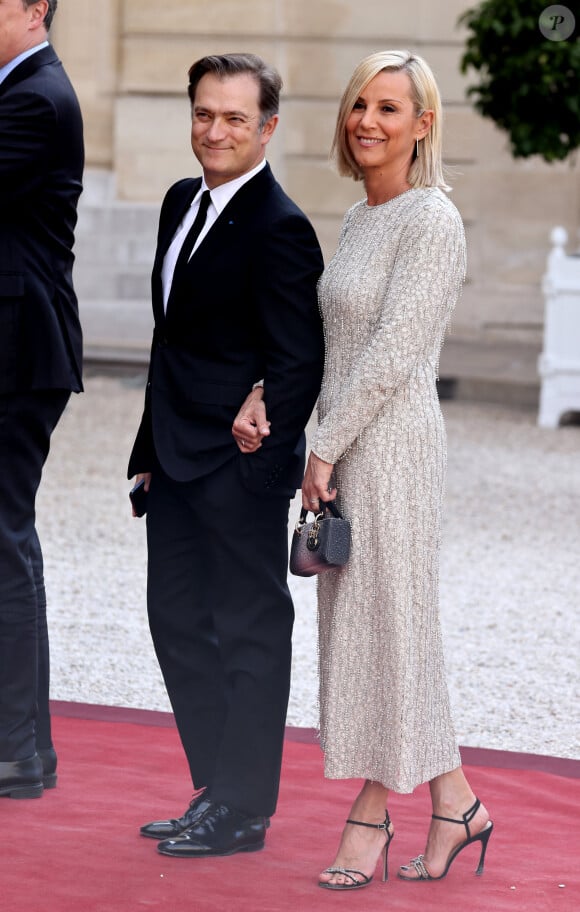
26, 424
221, 618
43, 726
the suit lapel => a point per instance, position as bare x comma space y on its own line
175, 217
166, 235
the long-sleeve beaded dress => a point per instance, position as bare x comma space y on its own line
386, 298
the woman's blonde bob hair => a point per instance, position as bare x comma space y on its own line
427, 167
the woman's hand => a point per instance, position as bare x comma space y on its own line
250, 425
316, 484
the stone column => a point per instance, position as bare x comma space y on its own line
86, 36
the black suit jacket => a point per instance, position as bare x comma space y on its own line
247, 310
41, 165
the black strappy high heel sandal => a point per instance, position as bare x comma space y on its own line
417, 864
351, 872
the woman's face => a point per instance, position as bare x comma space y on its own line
383, 127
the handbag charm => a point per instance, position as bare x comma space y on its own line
312, 540
322, 544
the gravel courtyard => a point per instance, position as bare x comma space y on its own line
510, 573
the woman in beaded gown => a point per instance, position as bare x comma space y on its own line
386, 299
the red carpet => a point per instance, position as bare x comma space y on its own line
77, 848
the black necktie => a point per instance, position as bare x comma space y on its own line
191, 237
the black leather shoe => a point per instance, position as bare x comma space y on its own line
21, 778
219, 831
48, 758
166, 829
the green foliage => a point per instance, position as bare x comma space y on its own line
529, 85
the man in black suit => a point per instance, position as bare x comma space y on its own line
241, 308
41, 164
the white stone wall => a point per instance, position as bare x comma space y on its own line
129, 64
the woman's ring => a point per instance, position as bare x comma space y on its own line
314, 501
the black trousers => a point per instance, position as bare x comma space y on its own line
221, 619
27, 421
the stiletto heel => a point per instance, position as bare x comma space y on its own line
387, 827
484, 839
417, 865
386, 856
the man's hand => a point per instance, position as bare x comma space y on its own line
147, 477
250, 426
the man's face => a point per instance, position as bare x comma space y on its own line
226, 137
21, 27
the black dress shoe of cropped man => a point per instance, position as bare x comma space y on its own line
21, 778
166, 829
221, 830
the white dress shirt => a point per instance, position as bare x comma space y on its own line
220, 197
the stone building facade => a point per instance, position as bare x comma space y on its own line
129, 59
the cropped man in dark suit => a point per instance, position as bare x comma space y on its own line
41, 163
241, 308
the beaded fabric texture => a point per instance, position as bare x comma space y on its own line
386, 299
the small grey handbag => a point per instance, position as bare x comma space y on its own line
322, 544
